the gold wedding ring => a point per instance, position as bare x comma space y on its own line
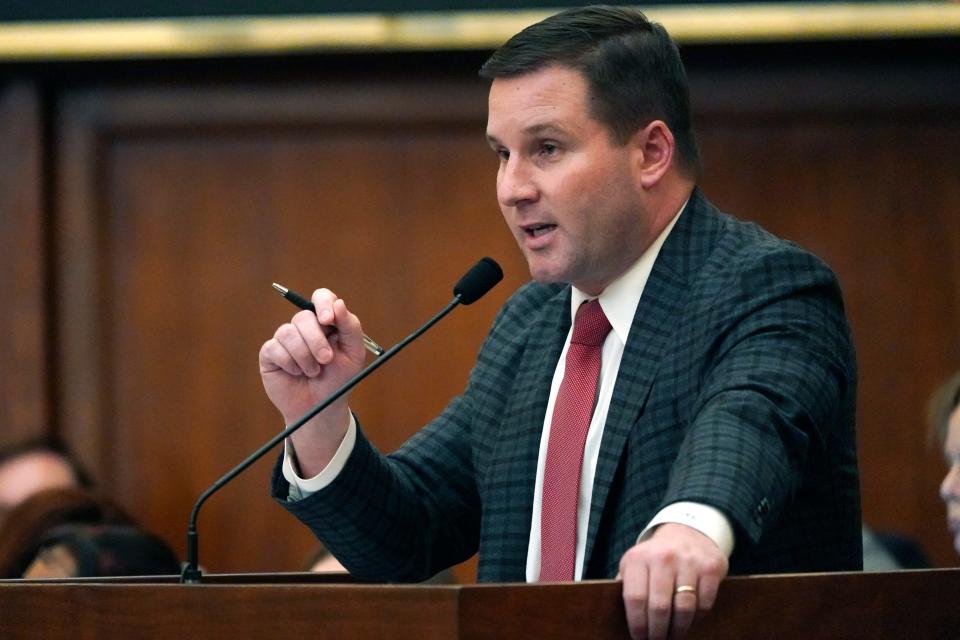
685, 588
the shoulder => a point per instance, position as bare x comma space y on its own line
745, 280
529, 301
742, 254
530, 310
529, 319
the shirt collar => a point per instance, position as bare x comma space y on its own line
620, 299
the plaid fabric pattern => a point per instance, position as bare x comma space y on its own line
736, 389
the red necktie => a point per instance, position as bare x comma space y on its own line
572, 412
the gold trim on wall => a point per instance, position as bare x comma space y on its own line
205, 37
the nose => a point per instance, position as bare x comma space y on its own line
515, 183
950, 487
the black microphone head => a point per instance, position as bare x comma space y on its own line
475, 283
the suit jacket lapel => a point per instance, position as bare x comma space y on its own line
519, 441
653, 323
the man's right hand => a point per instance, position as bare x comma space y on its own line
301, 365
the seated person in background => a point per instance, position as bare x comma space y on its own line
32, 466
94, 551
27, 524
944, 416
322, 561
887, 551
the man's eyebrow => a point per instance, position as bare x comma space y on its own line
533, 130
545, 127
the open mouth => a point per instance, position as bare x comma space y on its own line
537, 230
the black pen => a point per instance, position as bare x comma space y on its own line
369, 343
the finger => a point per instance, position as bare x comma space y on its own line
313, 335
273, 357
660, 605
323, 300
707, 590
635, 598
289, 337
684, 604
349, 329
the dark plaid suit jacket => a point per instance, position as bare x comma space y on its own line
736, 389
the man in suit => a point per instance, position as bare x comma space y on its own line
670, 398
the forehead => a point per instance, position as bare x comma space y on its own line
32, 472
554, 95
33, 461
952, 443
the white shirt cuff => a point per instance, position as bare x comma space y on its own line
707, 520
301, 488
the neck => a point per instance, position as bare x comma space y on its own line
665, 200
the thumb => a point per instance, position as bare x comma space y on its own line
351, 333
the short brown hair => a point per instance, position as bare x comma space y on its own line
631, 65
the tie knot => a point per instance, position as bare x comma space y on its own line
591, 326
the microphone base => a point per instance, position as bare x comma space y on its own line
191, 575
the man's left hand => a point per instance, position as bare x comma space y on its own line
667, 579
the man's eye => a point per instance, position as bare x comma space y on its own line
503, 154
548, 149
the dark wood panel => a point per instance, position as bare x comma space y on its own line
225, 612
823, 606
812, 607
24, 408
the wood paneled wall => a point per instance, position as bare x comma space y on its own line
181, 192
24, 401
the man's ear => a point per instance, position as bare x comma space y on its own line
653, 147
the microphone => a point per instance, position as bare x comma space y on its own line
474, 284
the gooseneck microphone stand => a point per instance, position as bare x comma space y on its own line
191, 573
471, 287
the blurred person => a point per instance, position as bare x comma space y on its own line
29, 467
100, 551
322, 561
944, 416
28, 523
889, 551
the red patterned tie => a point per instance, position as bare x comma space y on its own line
568, 434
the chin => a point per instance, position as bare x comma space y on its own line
545, 275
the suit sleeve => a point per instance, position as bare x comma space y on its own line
405, 516
401, 517
776, 397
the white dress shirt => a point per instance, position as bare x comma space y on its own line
619, 303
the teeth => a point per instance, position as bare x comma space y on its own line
539, 230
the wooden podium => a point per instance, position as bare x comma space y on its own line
910, 604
